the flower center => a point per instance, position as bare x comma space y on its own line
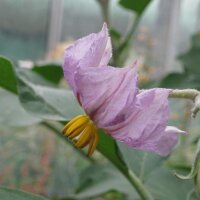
83, 132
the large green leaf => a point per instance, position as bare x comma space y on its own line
190, 77
141, 162
11, 194
180, 80
46, 102
7, 75
164, 186
191, 59
157, 179
51, 72
39, 96
12, 113
135, 5
98, 179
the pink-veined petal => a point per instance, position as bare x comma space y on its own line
91, 51
110, 96
146, 128
168, 140
105, 93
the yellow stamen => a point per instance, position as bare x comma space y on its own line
80, 122
71, 122
93, 143
83, 132
85, 137
76, 133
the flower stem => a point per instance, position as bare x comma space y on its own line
184, 94
138, 185
191, 94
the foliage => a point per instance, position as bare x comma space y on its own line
190, 76
133, 5
34, 96
34, 88
8, 194
7, 80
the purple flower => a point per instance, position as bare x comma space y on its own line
112, 101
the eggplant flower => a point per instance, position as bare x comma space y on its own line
112, 101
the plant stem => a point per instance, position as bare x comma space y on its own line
104, 4
131, 31
132, 178
196, 184
134, 181
133, 27
58, 133
191, 94
117, 60
184, 94
138, 185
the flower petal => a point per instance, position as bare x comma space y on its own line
168, 140
145, 128
164, 144
110, 96
91, 51
106, 93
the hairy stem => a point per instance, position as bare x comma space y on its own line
191, 94
184, 94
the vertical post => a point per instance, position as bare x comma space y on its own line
166, 27
198, 17
55, 24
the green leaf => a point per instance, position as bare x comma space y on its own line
50, 72
195, 40
164, 186
11, 194
140, 162
38, 96
12, 113
174, 80
7, 75
108, 147
191, 59
33, 77
42, 99
46, 102
115, 35
157, 179
181, 81
99, 179
135, 5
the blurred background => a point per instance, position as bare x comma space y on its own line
166, 42
40, 29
